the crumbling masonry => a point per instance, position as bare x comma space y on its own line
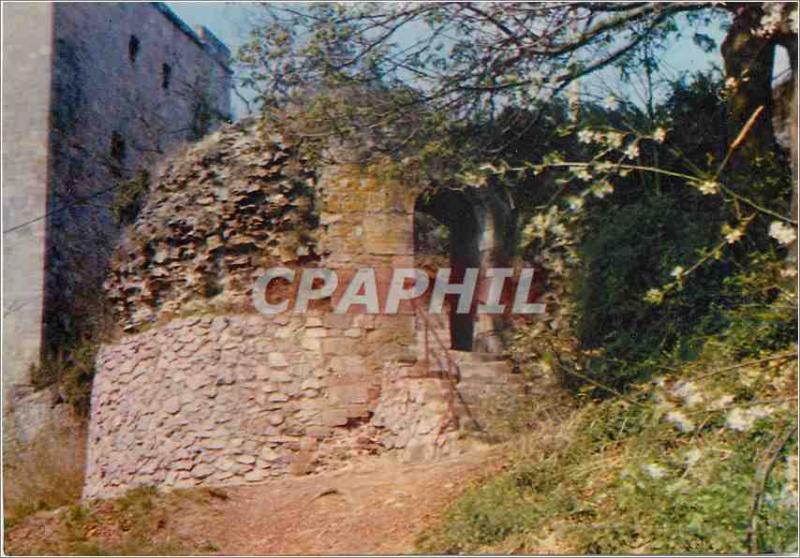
204, 390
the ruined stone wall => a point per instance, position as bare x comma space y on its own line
204, 390
131, 83
219, 215
226, 395
239, 399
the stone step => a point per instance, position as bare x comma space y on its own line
483, 389
476, 357
485, 370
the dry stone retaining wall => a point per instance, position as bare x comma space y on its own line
238, 399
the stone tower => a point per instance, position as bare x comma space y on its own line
95, 95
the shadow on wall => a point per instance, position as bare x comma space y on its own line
463, 229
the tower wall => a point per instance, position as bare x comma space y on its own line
131, 84
27, 53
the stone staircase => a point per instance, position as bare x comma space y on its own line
485, 381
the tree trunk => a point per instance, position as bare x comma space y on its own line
790, 43
749, 59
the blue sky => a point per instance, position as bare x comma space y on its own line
231, 23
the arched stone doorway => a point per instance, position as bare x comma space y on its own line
460, 229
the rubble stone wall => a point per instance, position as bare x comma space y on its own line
202, 389
239, 399
230, 207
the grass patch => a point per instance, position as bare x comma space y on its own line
44, 475
140, 523
675, 468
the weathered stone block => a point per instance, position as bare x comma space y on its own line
335, 417
348, 394
278, 360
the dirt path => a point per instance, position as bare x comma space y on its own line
373, 507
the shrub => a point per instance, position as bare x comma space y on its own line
674, 467
130, 196
71, 371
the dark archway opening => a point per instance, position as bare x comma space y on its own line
447, 232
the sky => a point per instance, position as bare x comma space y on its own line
231, 22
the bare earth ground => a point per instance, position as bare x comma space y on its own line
372, 506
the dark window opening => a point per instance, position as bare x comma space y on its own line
117, 153
133, 48
166, 74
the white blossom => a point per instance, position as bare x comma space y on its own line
604, 166
677, 271
739, 419
708, 187
610, 102
731, 235
681, 421
615, 139
722, 401
586, 136
771, 19
742, 420
575, 203
602, 188
689, 393
761, 411
654, 296
660, 135
782, 232
693, 456
632, 151
655, 471
582, 174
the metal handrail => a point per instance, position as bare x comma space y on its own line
453, 371
452, 366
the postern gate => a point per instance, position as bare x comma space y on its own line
231, 397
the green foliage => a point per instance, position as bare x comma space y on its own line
673, 470
629, 250
758, 307
71, 371
135, 524
650, 254
129, 198
673, 465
